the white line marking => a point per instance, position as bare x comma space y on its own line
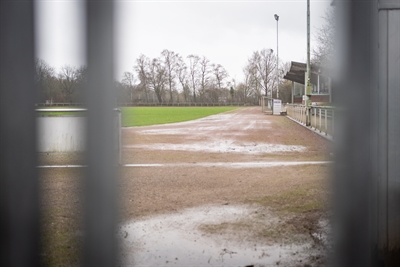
256, 164
62, 166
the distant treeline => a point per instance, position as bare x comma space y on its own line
171, 79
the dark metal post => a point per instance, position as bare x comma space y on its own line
353, 179
308, 73
277, 57
100, 186
367, 132
19, 221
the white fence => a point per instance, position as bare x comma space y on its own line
67, 133
61, 134
322, 119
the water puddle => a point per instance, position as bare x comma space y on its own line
225, 146
175, 240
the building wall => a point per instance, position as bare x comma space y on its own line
320, 98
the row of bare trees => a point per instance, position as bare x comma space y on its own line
169, 78
65, 86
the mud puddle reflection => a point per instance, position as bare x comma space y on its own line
175, 240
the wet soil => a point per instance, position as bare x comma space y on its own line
227, 160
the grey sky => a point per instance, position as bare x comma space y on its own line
226, 32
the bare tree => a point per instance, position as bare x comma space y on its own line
250, 80
204, 76
253, 80
194, 73
141, 67
129, 81
44, 79
68, 79
324, 50
183, 78
171, 67
157, 77
220, 74
81, 79
265, 63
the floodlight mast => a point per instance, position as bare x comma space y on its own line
277, 57
308, 74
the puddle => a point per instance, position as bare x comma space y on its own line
323, 234
175, 240
225, 124
225, 146
215, 134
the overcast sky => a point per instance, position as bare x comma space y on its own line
226, 32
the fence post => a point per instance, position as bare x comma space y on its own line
19, 189
333, 123
320, 120
315, 118
100, 246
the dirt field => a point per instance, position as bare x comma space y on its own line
267, 164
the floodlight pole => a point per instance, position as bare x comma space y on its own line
308, 75
277, 57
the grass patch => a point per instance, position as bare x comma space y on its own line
260, 228
298, 200
142, 116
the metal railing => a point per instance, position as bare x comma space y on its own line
153, 104
185, 104
322, 118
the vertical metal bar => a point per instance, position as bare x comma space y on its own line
100, 246
277, 58
119, 148
308, 78
292, 92
19, 221
333, 123
301, 114
382, 130
320, 120
326, 121
393, 195
353, 81
315, 118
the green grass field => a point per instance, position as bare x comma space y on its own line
142, 116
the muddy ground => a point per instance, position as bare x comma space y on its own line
239, 159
